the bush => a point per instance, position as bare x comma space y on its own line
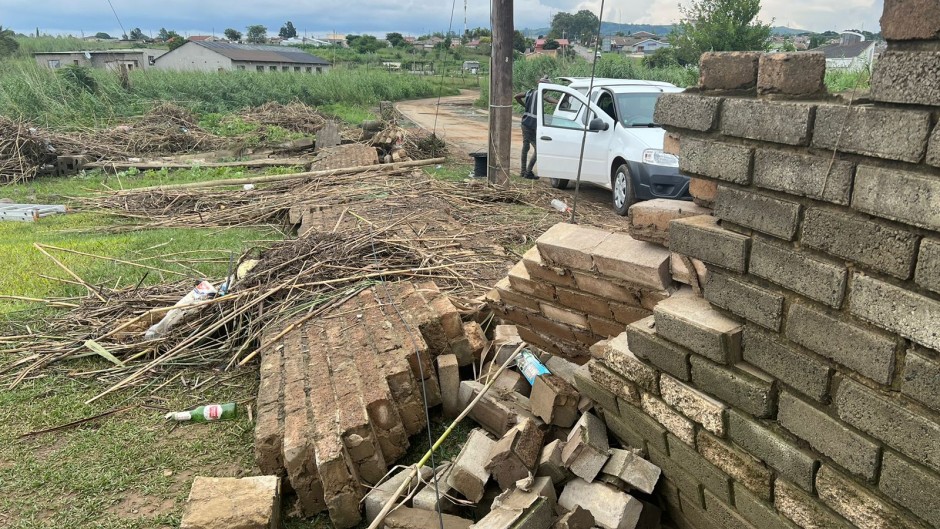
83, 97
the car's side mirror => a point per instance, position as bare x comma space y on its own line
598, 124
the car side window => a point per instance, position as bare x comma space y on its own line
606, 103
560, 118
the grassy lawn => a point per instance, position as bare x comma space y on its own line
131, 469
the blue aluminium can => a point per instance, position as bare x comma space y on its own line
530, 366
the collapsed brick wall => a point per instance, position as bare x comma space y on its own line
803, 387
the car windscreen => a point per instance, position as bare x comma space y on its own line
636, 110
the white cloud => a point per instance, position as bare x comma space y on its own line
379, 16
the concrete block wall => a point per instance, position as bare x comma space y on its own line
803, 388
579, 285
796, 382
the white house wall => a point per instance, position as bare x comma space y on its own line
194, 58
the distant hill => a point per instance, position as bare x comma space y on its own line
784, 31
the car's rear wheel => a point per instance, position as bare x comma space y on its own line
558, 183
621, 184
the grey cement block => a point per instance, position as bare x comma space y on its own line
592, 389
746, 391
893, 308
856, 504
620, 359
800, 371
728, 70
807, 176
642, 424
903, 196
744, 299
927, 273
880, 132
721, 161
626, 433
780, 453
829, 436
911, 20
631, 469
912, 486
921, 378
468, 475
762, 213
743, 468
757, 512
722, 514
823, 281
792, 73
868, 352
933, 148
708, 474
687, 111
908, 77
690, 488
776, 121
805, 510
647, 345
701, 237
883, 418
869, 243
691, 322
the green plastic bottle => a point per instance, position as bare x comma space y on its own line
207, 413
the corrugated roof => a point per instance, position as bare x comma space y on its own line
846, 51
262, 53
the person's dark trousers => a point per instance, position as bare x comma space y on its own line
528, 139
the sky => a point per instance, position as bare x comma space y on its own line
409, 17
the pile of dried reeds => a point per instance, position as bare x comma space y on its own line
166, 129
295, 117
22, 152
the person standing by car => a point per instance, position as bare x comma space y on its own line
529, 100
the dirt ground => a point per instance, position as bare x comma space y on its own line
466, 129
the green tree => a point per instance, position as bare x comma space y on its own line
519, 42
397, 40
579, 26
661, 58
816, 41
366, 44
137, 34
102, 35
233, 34
175, 40
8, 45
718, 25
551, 44
163, 35
288, 31
257, 34
351, 40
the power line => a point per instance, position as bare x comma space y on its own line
123, 31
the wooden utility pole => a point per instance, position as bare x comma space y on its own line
500, 140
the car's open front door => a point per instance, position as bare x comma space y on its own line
561, 124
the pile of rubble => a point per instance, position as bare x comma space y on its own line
541, 458
341, 394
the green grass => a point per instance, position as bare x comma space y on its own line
98, 474
53, 98
450, 172
354, 114
838, 81
86, 232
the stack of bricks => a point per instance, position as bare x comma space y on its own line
579, 285
803, 388
341, 394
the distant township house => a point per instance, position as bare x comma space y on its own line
852, 52
203, 38
130, 58
226, 56
539, 48
633, 44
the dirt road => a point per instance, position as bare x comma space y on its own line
465, 128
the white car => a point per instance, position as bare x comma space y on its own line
623, 147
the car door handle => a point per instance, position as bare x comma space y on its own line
546, 138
